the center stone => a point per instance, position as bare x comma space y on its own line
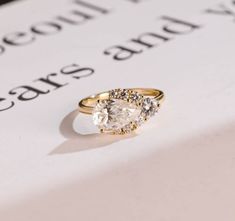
115, 114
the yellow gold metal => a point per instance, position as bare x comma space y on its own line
87, 105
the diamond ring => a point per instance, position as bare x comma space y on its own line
121, 111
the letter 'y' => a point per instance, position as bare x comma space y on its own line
221, 10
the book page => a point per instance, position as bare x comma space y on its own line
55, 165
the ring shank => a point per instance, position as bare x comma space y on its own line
87, 104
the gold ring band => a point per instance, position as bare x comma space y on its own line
122, 111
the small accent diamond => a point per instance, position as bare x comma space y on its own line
150, 107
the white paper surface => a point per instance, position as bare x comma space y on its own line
179, 166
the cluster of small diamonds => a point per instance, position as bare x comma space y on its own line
149, 106
127, 95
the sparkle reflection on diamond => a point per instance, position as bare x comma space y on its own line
114, 114
124, 111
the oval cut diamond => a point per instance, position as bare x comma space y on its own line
113, 115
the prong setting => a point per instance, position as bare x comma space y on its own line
124, 111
